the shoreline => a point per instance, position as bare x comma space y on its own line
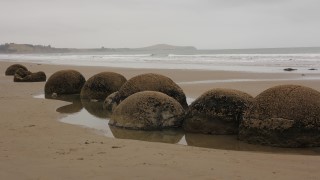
35, 145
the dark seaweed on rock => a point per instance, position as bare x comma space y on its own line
102, 85
65, 82
285, 116
217, 111
148, 110
11, 70
150, 82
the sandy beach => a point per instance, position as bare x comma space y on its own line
35, 145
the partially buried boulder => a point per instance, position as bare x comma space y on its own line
149, 82
11, 70
217, 111
64, 82
148, 110
102, 85
22, 75
285, 116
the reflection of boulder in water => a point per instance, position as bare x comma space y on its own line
166, 136
228, 142
75, 107
95, 108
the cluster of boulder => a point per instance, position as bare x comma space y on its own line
22, 74
285, 116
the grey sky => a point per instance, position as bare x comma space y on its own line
206, 24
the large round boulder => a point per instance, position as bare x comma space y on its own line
102, 85
11, 70
149, 82
148, 110
217, 111
285, 116
65, 82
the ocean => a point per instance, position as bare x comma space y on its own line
305, 60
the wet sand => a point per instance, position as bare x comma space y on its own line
35, 145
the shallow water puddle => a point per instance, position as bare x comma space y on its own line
91, 115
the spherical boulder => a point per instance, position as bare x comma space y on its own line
285, 116
148, 110
64, 82
102, 85
150, 82
26, 76
11, 70
217, 111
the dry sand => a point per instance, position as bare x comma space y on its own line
35, 145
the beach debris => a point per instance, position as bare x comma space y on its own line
289, 69
148, 110
312, 69
217, 111
65, 82
22, 75
115, 147
285, 116
149, 82
102, 85
11, 70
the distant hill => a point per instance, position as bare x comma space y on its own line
29, 48
167, 47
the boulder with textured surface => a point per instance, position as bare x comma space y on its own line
148, 110
102, 85
64, 82
26, 76
149, 82
285, 116
217, 111
11, 70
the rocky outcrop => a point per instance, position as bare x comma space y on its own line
285, 116
217, 111
22, 75
64, 82
148, 110
149, 82
102, 85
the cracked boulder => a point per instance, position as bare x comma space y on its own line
11, 70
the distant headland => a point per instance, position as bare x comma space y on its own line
12, 48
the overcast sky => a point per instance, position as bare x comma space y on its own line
205, 24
